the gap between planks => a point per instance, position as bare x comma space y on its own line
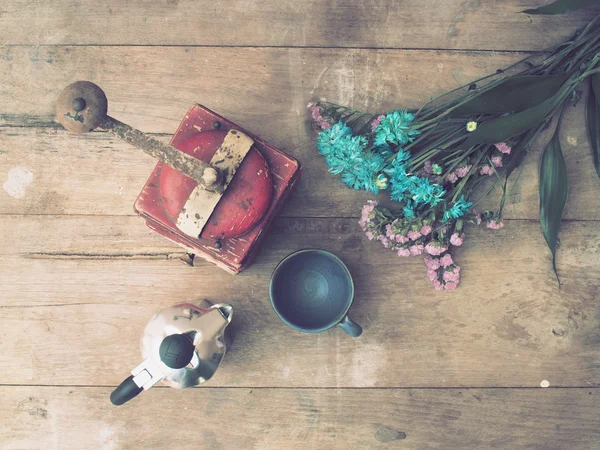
321, 388
291, 47
280, 216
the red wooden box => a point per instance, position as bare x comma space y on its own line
235, 253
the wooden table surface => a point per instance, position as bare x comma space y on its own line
80, 274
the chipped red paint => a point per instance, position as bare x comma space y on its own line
247, 191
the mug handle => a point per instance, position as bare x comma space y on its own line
350, 327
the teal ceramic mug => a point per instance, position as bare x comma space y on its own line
312, 290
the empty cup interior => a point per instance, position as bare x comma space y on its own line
312, 290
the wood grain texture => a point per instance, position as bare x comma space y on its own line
466, 24
80, 275
254, 87
98, 174
77, 283
551, 419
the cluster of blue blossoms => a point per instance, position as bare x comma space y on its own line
374, 167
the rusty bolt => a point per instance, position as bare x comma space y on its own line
210, 176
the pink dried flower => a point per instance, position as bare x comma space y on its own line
389, 233
432, 263
495, 225
497, 161
435, 248
366, 211
376, 123
462, 172
504, 148
315, 112
425, 230
401, 239
438, 286
370, 235
320, 121
486, 169
457, 239
446, 260
416, 249
452, 177
403, 252
413, 235
450, 286
452, 277
324, 124
370, 206
476, 216
428, 167
432, 274
384, 241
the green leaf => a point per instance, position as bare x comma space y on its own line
596, 85
504, 127
512, 95
592, 118
520, 150
553, 192
562, 6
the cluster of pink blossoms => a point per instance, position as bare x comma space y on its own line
504, 149
461, 172
412, 240
443, 272
430, 238
485, 169
420, 238
319, 120
376, 123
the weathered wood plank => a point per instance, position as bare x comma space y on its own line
256, 87
408, 24
55, 417
89, 284
97, 174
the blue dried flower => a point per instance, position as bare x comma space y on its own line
384, 151
400, 182
364, 173
340, 149
346, 154
408, 187
394, 129
409, 210
459, 209
426, 192
328, 140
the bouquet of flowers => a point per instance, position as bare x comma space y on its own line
432, 160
